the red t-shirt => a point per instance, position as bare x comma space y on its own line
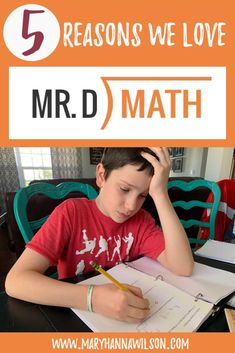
77, 233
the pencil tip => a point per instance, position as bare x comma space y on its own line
94, 264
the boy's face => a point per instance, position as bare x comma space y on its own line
123, 192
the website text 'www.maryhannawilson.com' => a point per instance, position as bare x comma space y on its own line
124, 343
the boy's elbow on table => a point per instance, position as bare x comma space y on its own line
13, 283
187, 271
179, 269
10, 286
184, 268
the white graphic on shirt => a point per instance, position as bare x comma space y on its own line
117, 248
129, 240
120, 251
89, 244
103, 244
80, 267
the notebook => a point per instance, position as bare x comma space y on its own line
210, 283
177, 304
218, 250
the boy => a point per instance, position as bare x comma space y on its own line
107, 230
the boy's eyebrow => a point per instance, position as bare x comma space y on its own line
133, 186
129, 184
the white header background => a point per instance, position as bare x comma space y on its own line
211, 125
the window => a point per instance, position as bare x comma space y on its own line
33, 163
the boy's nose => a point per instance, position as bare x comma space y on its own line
130, 204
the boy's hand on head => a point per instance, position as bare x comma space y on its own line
110, 301
161, 166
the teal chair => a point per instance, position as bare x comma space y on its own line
187, 205
55, 192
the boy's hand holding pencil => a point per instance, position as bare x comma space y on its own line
119, 301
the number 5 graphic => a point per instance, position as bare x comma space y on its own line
26, 32
38, 36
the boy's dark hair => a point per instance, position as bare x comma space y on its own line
114, 158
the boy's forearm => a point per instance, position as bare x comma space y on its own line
37, 288
107, 299
178, 254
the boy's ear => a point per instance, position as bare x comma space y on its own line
100, 171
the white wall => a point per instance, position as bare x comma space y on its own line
219, 161
192, 162
212, 163
88, 170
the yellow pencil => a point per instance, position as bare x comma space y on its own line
107, 275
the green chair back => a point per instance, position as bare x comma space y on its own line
55, 192
186, 205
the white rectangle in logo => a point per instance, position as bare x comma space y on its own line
99, 103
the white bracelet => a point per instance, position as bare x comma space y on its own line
89, 298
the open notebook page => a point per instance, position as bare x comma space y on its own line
171, 309
212, 283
